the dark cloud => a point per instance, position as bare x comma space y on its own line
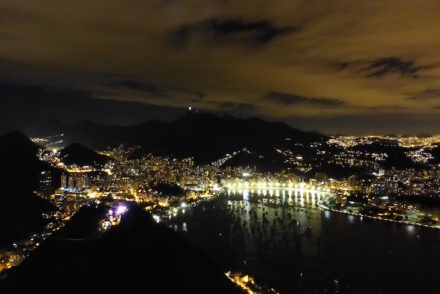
371, 123
148, 88
8, 15
388, 65
260, 31
237, 107
386, 107
428, 94
221, 30
342, 65
155, 90
292, 99
10, 92
29, 107
180, 37
384, 66
217, 55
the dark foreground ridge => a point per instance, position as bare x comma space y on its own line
20, 171
136, 256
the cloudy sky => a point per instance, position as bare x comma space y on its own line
333, 66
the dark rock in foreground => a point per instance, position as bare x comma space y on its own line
137, 256
20, 171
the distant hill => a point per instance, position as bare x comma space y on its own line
167, 189
137, 254
269, 161
396, 154
81, 155
436, 154
204, 136
20, 172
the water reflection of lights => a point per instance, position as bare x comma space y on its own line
350, 218
245, 195
308, 193
273, 185
301, 196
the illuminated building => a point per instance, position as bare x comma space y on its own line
71, 182
45, 186
63, 181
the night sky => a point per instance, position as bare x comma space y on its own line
356, 67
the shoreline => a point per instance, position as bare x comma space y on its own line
323, 207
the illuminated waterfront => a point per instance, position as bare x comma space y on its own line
291, 244
280, 230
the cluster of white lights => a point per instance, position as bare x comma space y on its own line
273, 185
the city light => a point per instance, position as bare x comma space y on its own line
121, 209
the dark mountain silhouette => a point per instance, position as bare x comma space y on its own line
436, 154
136, 256
20, 172
269, 161
396, 154
20, 167
206, 137
167, 189
81, 155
